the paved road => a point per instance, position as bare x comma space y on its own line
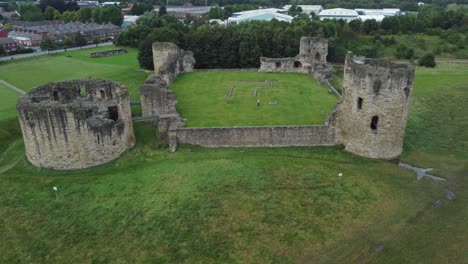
42, 53
11, 86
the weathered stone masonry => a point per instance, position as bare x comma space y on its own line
312, 59
373, 112
76, 124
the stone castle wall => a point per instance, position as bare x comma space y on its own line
261, 136
76, 124
312, 59
374, 109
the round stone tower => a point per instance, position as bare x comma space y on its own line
76, 124
374, 108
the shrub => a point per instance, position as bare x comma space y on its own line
427, 60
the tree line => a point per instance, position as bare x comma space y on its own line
238, 46
67, 12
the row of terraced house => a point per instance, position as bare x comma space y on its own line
30, 34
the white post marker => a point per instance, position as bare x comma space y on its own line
339, 178
55, 188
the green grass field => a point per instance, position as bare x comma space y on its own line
27, 73
260, 205
202, 99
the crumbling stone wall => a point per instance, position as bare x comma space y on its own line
169, 60
107, 53
261, 136
374, 108
153, 96
157, 100
76, 124
310, 60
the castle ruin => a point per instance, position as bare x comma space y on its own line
76, 124
369, 120
312, 59
79, 124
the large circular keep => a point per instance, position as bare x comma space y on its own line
76, 124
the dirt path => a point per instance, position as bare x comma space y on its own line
11, 86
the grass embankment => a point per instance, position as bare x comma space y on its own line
422, 44
248, 205
202, 99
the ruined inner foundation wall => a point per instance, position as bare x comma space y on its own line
75, 132
262, 136
107, 53
375, 88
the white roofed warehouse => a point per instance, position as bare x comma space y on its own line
339, 13
260, 14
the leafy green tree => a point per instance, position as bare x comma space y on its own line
57, 15
49, 13
149, 19
96, 41
2, 51
162, 10
68, 16
370, 26
47, 44
79, 39
390, 25
428, 60
30, 12
108, 14
97, 15
84, 15
8, 27
403, 52
216, 13
355, 25
140, 8
56, 4
67, 42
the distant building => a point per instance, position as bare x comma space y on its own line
9, 45
31, 33
260, 14
9, 15
377, 18
379, 12
26, 39
181, 12
110, 3
339, 13
89, 4
307, 9
129, 21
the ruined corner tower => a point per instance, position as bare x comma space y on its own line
373, 112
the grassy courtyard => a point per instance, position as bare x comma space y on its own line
297, 99
259, 205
